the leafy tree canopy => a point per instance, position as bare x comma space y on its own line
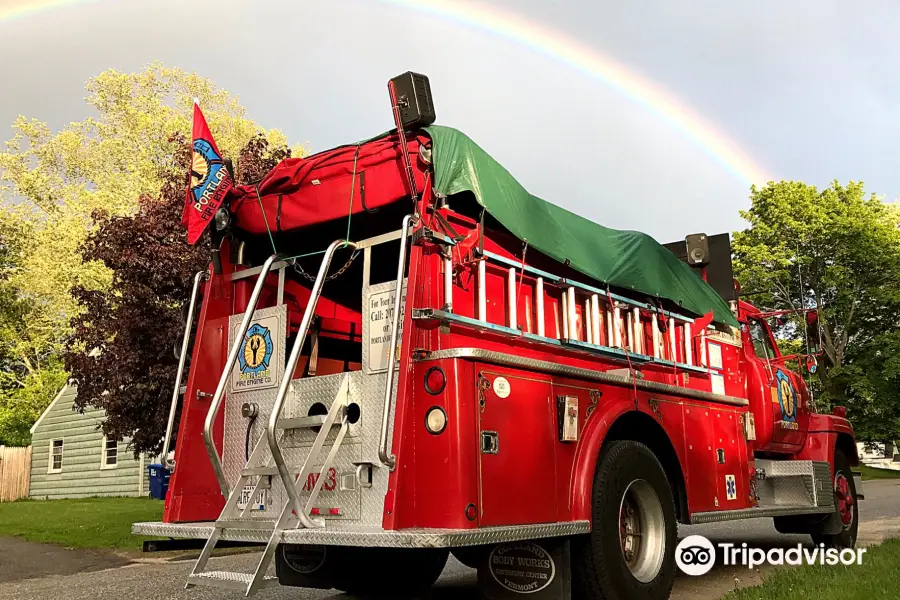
837, 250
53, 184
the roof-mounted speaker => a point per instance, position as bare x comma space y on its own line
411, 93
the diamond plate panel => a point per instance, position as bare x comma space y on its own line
361, 442
344, 535
233, 458
752, 513
824, 491
795, 483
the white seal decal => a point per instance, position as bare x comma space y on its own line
522, 567
501, 387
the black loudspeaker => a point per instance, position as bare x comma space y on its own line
697, 249
709, 254
413, 96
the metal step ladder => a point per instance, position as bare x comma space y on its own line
267, 459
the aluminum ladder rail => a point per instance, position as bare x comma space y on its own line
185, 343
247, 582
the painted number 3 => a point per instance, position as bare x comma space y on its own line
329, 485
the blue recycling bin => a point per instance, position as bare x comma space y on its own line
159, 481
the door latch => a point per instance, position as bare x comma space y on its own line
490, 442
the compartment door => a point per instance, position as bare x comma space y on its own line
517, 440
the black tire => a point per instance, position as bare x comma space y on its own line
599, 567
392, 572
846, 538
470, 556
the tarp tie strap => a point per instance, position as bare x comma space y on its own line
352, 190
624, 337
265, 220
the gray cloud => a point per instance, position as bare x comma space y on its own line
808, 88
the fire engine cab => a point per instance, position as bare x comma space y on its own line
400, 354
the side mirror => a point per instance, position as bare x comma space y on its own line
812, 365
812, 332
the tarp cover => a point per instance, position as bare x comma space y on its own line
624, 259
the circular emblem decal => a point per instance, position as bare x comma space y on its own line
522, 567
256, 350
501, 387
787, 396
303, 559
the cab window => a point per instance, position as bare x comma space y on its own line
762, 343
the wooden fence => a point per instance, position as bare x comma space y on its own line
15, 473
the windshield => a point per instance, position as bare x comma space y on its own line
762, 343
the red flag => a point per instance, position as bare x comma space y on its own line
701, 324
210, 180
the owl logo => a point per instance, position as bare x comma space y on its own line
256, 350
787, 396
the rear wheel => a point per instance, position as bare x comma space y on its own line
846, 507
630, 552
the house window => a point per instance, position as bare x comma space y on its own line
110, 454
56, 457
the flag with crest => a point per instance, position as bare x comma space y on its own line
210, 180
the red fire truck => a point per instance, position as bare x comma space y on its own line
400, 354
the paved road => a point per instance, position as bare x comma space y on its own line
156, 579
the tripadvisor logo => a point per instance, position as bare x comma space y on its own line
696, 555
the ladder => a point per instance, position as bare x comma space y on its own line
267, 459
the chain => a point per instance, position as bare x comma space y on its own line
338, 273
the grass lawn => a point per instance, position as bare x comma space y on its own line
877, 577
79, 523
870, 473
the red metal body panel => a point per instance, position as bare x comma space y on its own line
518, 483
194, 493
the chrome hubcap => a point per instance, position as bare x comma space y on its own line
642, 531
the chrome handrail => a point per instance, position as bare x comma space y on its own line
384, 453
271, 430
226, 373
200, 276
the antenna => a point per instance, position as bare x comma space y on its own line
812, 400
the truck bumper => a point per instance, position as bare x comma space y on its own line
370, 537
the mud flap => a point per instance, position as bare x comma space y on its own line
306, 566
538, 570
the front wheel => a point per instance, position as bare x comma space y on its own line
846, 507
630, 552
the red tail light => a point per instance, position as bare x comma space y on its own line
435, 381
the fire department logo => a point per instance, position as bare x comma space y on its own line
256, 351
787, 396
208, 174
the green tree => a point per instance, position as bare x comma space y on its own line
837, 250
52, 184
133, 331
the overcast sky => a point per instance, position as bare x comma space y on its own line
808, 89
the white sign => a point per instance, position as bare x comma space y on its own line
718, 383
379, 315
256, 367
501, 387
715, 355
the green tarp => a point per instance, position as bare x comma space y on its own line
623, 259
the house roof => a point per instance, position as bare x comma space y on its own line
49, 408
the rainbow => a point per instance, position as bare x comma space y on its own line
606, 69
558, 46
14, 9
